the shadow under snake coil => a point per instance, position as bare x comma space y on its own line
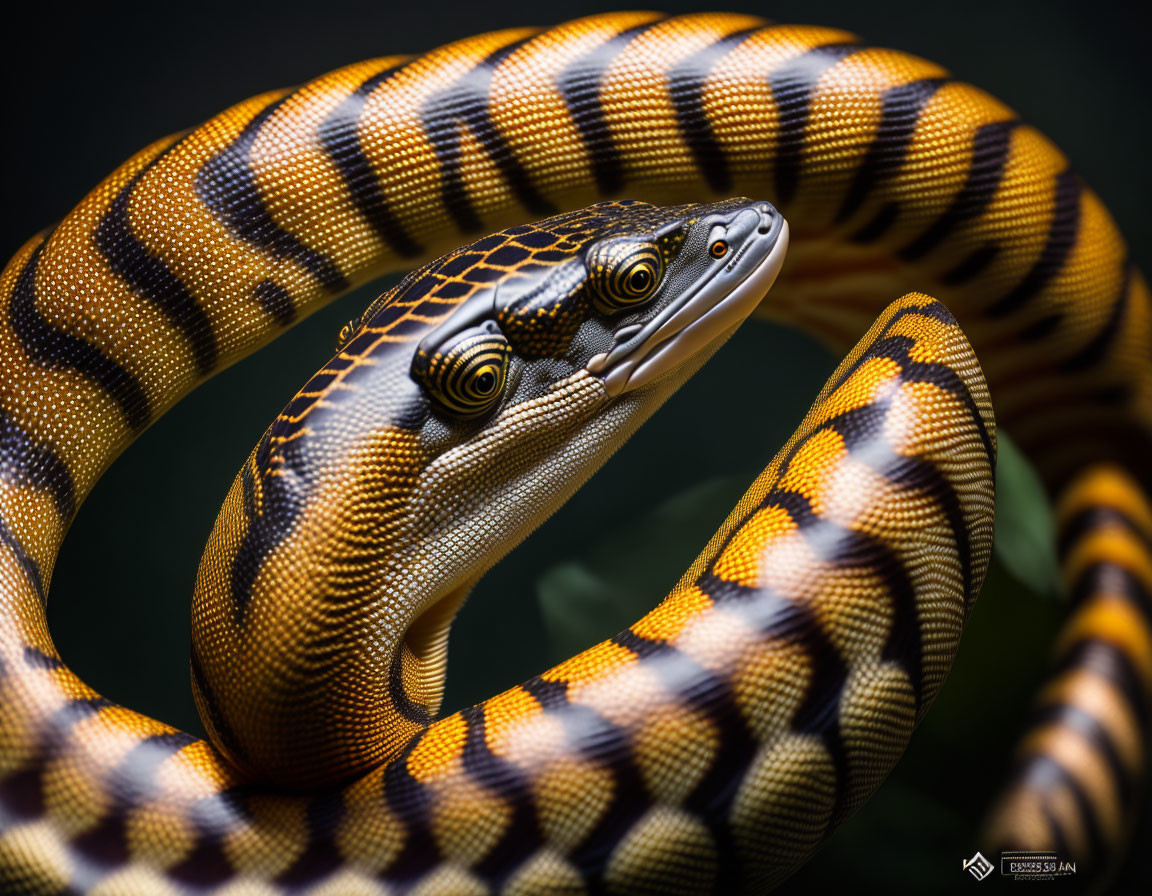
717, 742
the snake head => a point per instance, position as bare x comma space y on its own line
462, 408
625, 291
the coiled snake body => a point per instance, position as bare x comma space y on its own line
715, 743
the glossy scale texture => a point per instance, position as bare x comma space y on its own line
207, 244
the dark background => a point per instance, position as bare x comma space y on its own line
86, 87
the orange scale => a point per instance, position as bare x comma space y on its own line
930, 337
1098, 696
742, 560
505, 711
536, 743
439, 749
1118, 622
1109, 487
670, 617
1111, 544
593, 663
809, 470
717, 641
862, 388
626, 697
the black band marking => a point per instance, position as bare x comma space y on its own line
226, 184
1043, 774
21, 797
522, 836
844, 548
686, 83
28, 566
150, 278
411, 802
1104, 577
1085, 522
282, 502
990, 147
26, 462
898, 348
548, 693
38, 659
215, 719
49, 345
276, 300
321, 857
900, 114
878, 225
925, 477
1062, 234
1097, 348
778, 618
1109, 661
792, 85
466, 105
207, 866
971, 266
1090, 729
711, 696
340, 137
404, 705
130, 783
579, 85
1041, 328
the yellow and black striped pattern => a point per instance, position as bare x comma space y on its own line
205, 245
1081, 765
360, 521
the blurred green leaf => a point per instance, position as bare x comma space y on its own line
623, 575
1025, 529
619, 577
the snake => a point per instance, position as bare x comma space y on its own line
716, 743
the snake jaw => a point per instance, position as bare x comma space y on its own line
714, 308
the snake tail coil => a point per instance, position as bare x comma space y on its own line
716, 743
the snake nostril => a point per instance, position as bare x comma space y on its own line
767, 217
625, 333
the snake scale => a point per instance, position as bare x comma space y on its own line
714, 744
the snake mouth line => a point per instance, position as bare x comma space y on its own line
717, 304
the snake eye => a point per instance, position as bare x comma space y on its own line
718, 249
467, 376
625, 274
640, 280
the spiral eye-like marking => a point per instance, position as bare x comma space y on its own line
467, 376
625, 274
346, 332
